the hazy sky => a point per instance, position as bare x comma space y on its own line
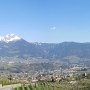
46, 20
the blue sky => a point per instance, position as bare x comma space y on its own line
50, 21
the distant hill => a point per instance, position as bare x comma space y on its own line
13, 46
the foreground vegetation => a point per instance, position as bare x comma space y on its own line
76, 82
80, 85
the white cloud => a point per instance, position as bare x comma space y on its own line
53, 28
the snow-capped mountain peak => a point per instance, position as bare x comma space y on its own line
9, 38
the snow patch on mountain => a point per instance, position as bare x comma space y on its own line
36, 43
9, 38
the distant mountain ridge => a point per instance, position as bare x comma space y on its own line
14, 46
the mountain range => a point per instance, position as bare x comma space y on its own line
13, 46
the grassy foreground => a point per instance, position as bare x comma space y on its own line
81, 85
